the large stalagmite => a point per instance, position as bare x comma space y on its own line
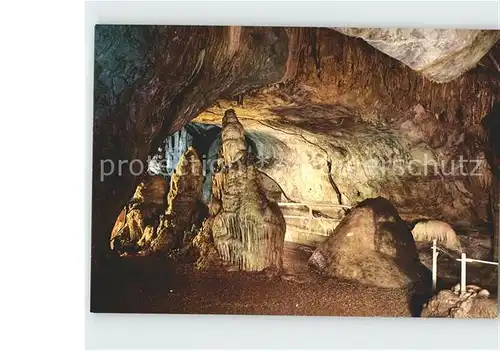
248, 229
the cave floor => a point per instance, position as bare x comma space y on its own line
153, 285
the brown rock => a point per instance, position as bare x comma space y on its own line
204, 244
185, 208
371, 245
453, 304
424, 127
119, 226
139, 218
152, 191
440, 54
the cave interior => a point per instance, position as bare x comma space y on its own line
297, 171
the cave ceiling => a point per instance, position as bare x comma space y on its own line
439, 54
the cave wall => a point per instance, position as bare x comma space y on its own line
441, 55
354, 70
386, 93
313, 157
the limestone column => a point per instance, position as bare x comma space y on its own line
248, 229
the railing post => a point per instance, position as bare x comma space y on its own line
463, 274
435, 254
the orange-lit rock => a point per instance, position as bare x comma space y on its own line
139, 217
185, 210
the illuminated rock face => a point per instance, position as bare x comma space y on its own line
248, 229
140, 217
373, 246
155, 222
185, 209
440, 54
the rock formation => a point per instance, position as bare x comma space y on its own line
203, 243
248, 229
147, 225
473, 303
371, 245
140, 216
439, 54
491, 124
185, 209
413, 162
151, 80
428, 230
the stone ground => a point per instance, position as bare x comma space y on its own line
149, 285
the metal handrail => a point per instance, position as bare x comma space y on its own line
309, 217
309, 204
463, 266
480, 261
